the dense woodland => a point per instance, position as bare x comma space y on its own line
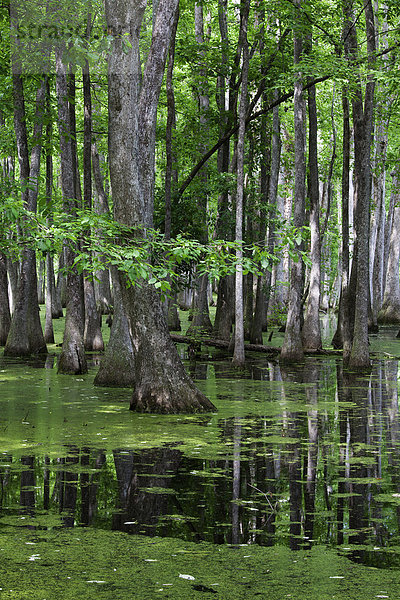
165, 156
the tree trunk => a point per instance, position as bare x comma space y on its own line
270, 196
277, 305
72, 359
13, 270
41, 281
390, 311
379, 256
342, 337
117, 365
26, 335
171, 174
174, 323
224, 313
201, 317
61, 285
5, 316
201, 323
311, 333
161, 382
53, 307
362, 120
238, 359
248, 303
93, 338
102, 283
292, 348
48, 327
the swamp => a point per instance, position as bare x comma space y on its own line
234, 164
290, 490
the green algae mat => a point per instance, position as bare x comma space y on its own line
290, 490
110, 565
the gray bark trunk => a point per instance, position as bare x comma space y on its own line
311, 333
342, 337
5, 316
201, 323
171, 173
174, 323
379, 257
41, 281
117, 365
362, 120
13, 269
280, 272
238, 359
201, 317
224, 313
26, 335
264, 284
248, 304
72, 359
53, 306
48, 327
390, 310
93, 338
102, 283
292, 348
161, 382
61, 284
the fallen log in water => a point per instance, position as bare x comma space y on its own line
193, 341
271, 350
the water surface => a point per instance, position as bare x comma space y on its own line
292, 489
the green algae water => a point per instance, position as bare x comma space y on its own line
290, 490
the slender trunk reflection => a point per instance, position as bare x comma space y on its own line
27, 493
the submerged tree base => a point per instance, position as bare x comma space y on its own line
150, 398
389, 315
72, 360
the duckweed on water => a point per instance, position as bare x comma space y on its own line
97, 564
291, 490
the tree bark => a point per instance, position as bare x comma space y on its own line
362, 120
171, 171
26, 335
102, 283
53, 307
117, 365
238, 359
224, 313
93, 338
390, 310
5, 316
201, 317
161, 382
72, 359
379, 255
270, 196
311, 333
342, 337
292, 348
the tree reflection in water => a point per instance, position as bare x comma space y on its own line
302, 472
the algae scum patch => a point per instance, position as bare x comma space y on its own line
290, 490
110, 565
